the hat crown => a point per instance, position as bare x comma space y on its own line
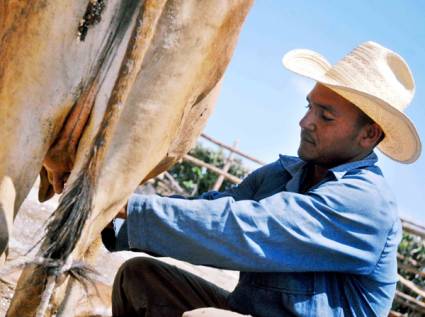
377, 71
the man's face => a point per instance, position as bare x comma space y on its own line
329, 129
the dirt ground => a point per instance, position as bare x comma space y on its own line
28, 228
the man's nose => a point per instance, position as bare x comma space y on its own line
307, 122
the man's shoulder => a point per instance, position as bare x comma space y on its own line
358, 167
370, 176
289, 159
282, 164
365, 189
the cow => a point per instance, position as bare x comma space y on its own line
97, 96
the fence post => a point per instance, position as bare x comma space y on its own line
225, 168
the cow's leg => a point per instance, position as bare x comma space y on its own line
70, 292
66, 228
7, 201
32, 282
13, 191
35, 277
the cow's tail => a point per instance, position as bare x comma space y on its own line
68, 221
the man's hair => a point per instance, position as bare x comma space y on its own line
363, 119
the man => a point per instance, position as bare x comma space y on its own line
312, 236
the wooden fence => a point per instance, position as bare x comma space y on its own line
222, 172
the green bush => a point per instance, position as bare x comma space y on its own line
412, 256
196, 180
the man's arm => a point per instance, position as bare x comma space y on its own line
340, 226
115, 237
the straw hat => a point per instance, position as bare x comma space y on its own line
376, 80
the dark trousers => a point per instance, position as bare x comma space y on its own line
148, 287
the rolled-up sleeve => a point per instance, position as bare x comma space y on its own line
339, 226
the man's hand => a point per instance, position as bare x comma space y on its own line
108, 233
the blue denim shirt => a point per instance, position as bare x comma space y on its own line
328, 252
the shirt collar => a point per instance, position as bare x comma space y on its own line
291, 164
294, 165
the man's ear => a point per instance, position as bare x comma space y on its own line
371, 135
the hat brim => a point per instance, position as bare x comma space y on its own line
401, 142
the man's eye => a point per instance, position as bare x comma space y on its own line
308, 106
327, 118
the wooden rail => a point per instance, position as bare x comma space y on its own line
412, 286
413, 228
232, 149
225, 169
194, 160
410, 301
410, 269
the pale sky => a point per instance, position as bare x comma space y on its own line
261, 103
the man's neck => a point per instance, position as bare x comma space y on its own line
319, 173
314, 175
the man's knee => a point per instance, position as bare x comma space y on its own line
137, 272
139, 266
136, 285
